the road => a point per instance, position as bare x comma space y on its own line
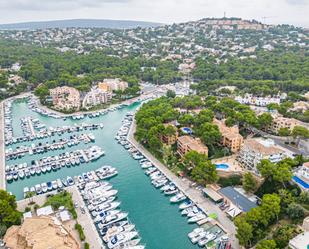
194, 194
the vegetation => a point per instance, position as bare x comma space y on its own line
8, 212
86, 246
62, 199
249, 183
80, 231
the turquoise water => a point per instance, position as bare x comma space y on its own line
301, 182
222, 166
159, 223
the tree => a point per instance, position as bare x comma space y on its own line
283, 234
295, 211
265, 120
266, 168
266, 244
8, 214
249, 182
271, 206
204, 173
209, 134
244, 231
193, 158
284, 132
170, 94
300, 132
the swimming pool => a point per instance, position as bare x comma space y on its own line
222, 166
300, 182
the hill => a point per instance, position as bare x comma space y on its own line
80, 23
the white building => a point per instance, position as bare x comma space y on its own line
301, 241
250, 99
255, 150
95, 97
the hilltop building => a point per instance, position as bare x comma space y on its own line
188, 143
255, 150
96, 96
250, 99
230, 136
113, 85
65, 98
40, 233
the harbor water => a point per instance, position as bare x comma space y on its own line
158, 222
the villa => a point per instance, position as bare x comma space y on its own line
302, 176
188, 143
249, 99
96, 96
65, 98
255, 150
230, 136
40, 233
113, 85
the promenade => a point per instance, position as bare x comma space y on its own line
85, 220
2, 148
193, 193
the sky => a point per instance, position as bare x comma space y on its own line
293, 12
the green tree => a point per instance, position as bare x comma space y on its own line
249, 183
170, 94
204, 173
244, 231
284, 132
283, 234
295, 211
300, 132
266, 244
265, 120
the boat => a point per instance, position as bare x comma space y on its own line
195, 211
26, 191
132, 244
186, 204
44, 187
21, 174
120, 239
49, 186
64, 182
15, 175
207, 239
103, 214
9, 177
54, 184
59, 183
171, 191
32, 171
114, 218
70, 181
199, 236
105, 207
104, 228
117, 230
197, 218
195, 232
178, 198
38, 189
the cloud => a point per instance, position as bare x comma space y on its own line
47, 5
298, 2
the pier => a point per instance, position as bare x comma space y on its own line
2, 148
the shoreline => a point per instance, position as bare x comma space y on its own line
185, 186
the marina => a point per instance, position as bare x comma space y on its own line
139, 183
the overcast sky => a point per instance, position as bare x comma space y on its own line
294, 12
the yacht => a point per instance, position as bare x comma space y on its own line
104, 228
120, 239
199, 236
27, 172
195, 232
186, 204
54, 184
105, 207
102, 215
171, 191
70, 181
44, 187
21, 174
207, 239
49, 186
132, 244
178, 198
114, 218
197, 218
195, 211
38, 189
59, 183
117, 230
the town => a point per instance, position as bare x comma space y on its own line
187, 135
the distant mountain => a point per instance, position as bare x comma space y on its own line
80, 23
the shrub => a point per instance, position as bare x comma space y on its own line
80, 231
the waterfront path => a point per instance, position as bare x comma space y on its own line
2, 148
185, 186
85, 220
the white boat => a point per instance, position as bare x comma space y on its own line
171, 191
132, 244
54, 184
198, 237
120, 239
117, 230
195, 211
44, 187
59, 183
105, 207
114, 218
178, 198
102, 215
197, 218
195, 232
207, 239
38, 189
186, 204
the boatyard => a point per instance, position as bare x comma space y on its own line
163, 199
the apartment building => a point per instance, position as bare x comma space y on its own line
65, 98
230, 136
96, 96
113, 85
282, 122
188, 143
169, 139
255, 150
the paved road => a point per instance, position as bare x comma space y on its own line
194, 194
2, 148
